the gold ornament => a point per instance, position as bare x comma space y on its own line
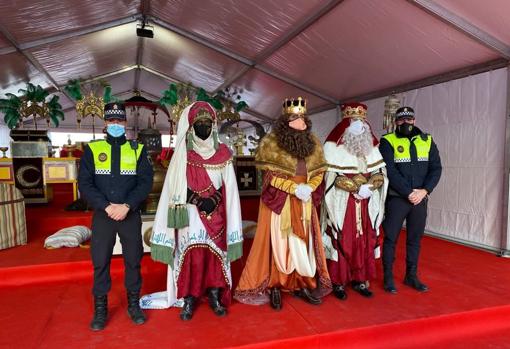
377, 180
90, 105
347, 184
391, 104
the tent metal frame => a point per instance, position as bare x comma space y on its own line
457, 22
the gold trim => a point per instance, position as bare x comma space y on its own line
214, 252
61, 181
342, 167
212, 167
65, 159
264, 165
376, 163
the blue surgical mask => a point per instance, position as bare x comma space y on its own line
115, 130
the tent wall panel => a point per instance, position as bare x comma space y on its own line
466, 118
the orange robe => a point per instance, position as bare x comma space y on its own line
261, 271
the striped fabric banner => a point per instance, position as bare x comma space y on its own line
13, 228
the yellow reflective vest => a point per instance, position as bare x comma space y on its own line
102, 150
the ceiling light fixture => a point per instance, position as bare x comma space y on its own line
144, 30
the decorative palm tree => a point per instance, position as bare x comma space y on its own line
228, 103
89, 100
31, 103
180, 95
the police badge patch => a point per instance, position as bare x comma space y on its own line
400, 149
102, 157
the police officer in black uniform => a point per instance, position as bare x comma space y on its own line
115, 178
414, 168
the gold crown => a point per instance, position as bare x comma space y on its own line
294, 106
354, 112
203, 114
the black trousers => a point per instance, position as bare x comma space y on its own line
104, 231
399, 209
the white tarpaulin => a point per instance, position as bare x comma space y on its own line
466, 118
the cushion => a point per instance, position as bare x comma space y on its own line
68, 237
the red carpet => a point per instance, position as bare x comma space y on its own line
43, 221
49, 304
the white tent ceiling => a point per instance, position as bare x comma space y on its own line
326, 51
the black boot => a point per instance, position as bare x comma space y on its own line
187, 309
362, 289
100, 313
412, 280
275, 298
339, 292
214, 301
307, 296
389, 283
134, 311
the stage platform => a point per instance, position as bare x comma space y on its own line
47, 302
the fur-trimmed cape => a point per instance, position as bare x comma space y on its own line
270, 156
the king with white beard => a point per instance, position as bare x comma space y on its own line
353, 206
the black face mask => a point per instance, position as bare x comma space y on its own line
202, 129
406, 129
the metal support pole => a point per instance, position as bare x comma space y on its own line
505, 229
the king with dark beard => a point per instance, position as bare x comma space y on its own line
287, 252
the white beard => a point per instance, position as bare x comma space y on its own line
358, 145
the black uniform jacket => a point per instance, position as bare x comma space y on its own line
101, 190
405, 176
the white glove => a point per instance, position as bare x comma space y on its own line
307, 190
364, 191
303, 192
377, 252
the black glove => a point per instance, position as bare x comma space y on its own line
206, 205
192, 197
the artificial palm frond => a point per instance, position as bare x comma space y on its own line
55, 110
11, 118
107, 95
241, 105
170, 95
74, 89
10, 107
214, 101
34, 93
